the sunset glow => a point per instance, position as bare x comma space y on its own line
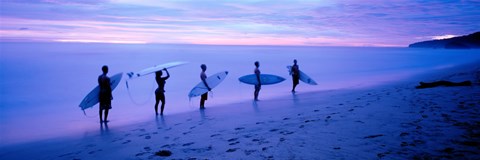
311, 23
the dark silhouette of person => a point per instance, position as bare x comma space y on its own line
258, 86
203, 77
295, 72
160, 91
105, 96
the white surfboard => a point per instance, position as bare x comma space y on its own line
92, 98
154, 69
304, 77
212, 81
266, 79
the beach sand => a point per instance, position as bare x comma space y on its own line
391, 121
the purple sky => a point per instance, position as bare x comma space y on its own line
242, 22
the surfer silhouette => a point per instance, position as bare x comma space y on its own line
160, 91
259, 85
105, 96
295, 72
204, 96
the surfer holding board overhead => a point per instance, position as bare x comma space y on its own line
105, 95
160, 91
203, 77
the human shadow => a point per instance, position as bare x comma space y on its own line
104, 129
255, 106
295, 98
160, 121
202, 114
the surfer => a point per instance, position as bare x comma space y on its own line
295, 72
105, 96
160, 91
259, 85
204, 96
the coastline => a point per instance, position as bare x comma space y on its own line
391, 121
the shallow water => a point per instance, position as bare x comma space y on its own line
43, 83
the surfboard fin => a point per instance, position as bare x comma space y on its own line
130, 74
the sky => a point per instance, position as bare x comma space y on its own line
238, 22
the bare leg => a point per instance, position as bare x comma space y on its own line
156, 106
202, 103
100, 114
106, 115
163, 105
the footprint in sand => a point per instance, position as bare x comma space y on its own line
247, 136
249, 152
232, 150
167, 146
403, 134
232, 139
373, 136
327, 118
92, 152
239, 128
282, 139
234, 143
265, 148
128, 141
286, 118
147, 137
286, 132
358, 121
215, 135
273, 130
140, 154
147, 148
188, 144
350, 110
308, 120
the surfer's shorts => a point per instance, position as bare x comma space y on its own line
295, 79
204, 96
105, 105
105, 99
258, 87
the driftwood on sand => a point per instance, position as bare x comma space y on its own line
443, 83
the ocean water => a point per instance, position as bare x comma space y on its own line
42, 84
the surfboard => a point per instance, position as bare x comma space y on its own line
266, 79
92, 97
154, 69
212, 81
304, 77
